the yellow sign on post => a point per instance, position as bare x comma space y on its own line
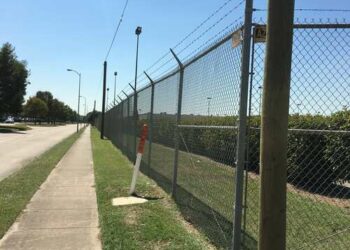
260, 34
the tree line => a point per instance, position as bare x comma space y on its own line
13, 84
44, 107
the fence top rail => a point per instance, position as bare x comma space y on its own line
207, 127
291, 130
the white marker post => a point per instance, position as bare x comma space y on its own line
138, 158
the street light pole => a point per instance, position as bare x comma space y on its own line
115, 84
137, 32
78, 116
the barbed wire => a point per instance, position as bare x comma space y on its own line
206, 20
171, 59
200, 36
193, 31
216, 38
211, 27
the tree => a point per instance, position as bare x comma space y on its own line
57, 111
92, 116
13, 81
46, 97
35, 108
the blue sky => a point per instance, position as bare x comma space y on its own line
55, 35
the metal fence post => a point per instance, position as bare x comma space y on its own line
150, 126
241, 138
178, 120
128, 126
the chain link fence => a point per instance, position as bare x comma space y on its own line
196, 148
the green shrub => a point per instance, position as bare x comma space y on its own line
316, 158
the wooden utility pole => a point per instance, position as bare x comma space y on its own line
274, 125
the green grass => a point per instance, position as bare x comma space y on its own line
13, 128
17, 189
311, 223
156, 224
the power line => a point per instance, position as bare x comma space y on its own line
117, 29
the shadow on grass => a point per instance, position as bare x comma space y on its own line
216, 227
150, 198
10, 131
332, 190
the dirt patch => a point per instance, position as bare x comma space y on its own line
160, 245
132, 216
342, 203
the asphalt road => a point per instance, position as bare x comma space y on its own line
17, 149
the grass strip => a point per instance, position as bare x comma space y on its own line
310, 221
13, 128
156, 224
17, 189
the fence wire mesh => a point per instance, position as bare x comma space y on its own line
318, 203
208, 140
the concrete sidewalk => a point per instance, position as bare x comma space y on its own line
63, 212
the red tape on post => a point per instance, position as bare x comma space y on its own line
143, 139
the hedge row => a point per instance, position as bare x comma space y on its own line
316, 156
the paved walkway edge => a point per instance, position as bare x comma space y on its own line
62, 214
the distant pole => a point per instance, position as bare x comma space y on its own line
115, 85
79, 104
107, 97
103, 99
94, 106
209, 99
298, 105
84, 104
78, 115
260, 93
274, 125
